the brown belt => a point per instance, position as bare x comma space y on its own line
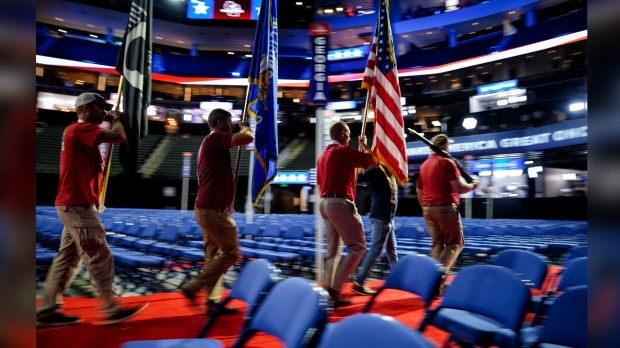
437, 205
335, 196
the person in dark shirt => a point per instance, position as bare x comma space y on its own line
383, 194
214, 207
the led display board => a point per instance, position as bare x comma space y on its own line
223, 9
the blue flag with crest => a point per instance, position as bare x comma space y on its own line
262, 100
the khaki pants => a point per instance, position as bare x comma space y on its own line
82, 240
342, 224
221, 247
444, 227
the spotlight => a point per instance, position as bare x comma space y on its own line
469, 123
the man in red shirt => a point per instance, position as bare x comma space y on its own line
77, 202
214, 207
337, 179
438, 192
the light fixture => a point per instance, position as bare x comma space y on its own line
528, 162
187, 117
515, 172
536, 169
436, 123
502, 102
532, 174
576, 107
485, 173
469, 123
569, 176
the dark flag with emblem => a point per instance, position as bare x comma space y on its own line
263, 79
134, 64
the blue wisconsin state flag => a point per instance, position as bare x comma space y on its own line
262, 100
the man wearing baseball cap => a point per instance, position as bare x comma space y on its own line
77, 202
438, 190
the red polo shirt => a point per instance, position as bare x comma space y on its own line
81, 165
434, 182
335, 173
215, 177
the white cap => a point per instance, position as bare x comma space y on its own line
87, 98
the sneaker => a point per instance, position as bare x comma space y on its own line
362, 290
58, 319
212, 308
122, 314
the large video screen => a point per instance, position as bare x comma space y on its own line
223, 9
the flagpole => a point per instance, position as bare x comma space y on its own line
236, 174
108, 157
365, 113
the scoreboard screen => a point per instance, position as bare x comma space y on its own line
223, 9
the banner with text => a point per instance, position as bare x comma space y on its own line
319, 89
567, 133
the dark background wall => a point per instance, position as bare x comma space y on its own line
147, 193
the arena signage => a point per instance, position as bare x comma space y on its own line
292, 178
532, 139
348, 53
496, 164
223, 9
319, 89
498, 87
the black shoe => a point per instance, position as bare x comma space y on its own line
331, 292
362, 290
190, 296
212, 308
341, 302
336, 298
58, 319
122, 314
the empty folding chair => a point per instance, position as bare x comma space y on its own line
255, 280
566, 324
575, 274
371, 330
294, 311
417, 274
484, 306
529, 266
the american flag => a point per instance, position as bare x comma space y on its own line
381, 81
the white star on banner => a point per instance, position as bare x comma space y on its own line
201, 8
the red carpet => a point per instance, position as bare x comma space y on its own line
168, 316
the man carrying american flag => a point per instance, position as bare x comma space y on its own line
381, 80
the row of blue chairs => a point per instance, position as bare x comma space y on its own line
147, 238
484, 306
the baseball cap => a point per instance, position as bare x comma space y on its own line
441, 139
87, 98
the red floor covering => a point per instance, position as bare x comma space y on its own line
168, 316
